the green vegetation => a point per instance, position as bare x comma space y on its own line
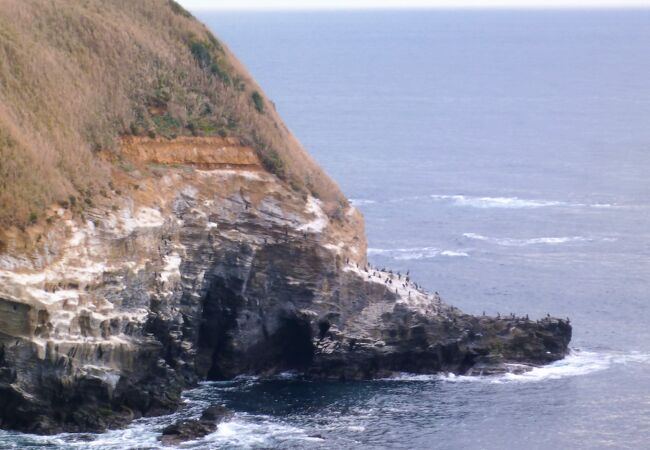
274, 164
167, 126
202, 53
209, 56
258, 101
178, 9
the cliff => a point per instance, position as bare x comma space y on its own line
199, 259
76, 76
210, 268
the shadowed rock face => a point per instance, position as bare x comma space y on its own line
209, 274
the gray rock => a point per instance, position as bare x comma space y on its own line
206, 286
187, 430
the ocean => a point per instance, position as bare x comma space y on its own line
503, 157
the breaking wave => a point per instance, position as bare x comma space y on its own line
577, 363
415, 253
253, 432
243, 431
263, 431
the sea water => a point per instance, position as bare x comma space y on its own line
503, 158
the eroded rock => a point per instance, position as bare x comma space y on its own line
209, 274
188, 430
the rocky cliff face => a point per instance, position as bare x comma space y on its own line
202, 265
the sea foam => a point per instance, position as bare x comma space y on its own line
362, 201
497, 202
577, 363
415, 253
511, 242
487, 202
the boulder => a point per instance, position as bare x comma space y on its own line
189, 430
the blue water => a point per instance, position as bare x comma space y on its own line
504, 158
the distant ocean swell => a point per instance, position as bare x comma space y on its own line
511, 242
497, 202
485, 202
434, 252
414, 253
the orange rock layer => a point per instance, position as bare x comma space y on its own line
200, 152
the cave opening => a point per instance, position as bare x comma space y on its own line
292, 344
323, 328
216, 357
227, 348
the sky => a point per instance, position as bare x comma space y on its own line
369, 4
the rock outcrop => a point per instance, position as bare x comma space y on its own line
186, 430
200, 264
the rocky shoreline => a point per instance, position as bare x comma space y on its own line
162, 226
210, 274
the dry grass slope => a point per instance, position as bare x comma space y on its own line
76, 75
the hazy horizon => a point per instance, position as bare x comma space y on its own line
409, 4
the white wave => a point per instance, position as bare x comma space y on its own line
239, 379
244, 431
289, 375
453, 253
414, 253
410, 198
405, 376
240, 382
577, 363
510, 242
490, 202
252, 432
497, 202
361, 201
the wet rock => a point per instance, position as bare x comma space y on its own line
188, 430
216, 414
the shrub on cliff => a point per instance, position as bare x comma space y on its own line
258, 102
273, 163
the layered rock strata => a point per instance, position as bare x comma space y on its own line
207, 268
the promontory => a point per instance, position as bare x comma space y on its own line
160, 225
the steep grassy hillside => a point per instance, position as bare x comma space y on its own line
77, 75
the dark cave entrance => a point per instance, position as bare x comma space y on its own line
291, 345
223, 353
288, 347
216, 356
